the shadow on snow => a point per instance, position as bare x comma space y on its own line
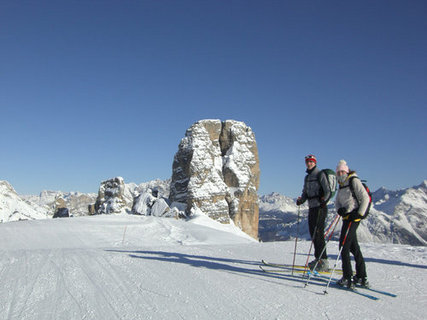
236, 266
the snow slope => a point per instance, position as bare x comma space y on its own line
14, 208
138, 267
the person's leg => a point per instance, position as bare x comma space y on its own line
320, 235
348, 232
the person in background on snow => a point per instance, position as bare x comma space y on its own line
351, 203
316, 190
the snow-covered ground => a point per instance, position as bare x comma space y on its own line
135, 267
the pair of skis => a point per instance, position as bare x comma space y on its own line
288, 267
322, 276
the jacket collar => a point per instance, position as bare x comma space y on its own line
347, 180
311, 171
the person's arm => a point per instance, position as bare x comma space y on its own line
361, 195
303, 196
325, 187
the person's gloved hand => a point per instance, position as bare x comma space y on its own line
354, 215
323, 203
299, 201
342, 212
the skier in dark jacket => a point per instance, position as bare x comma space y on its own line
316, 191
351, 203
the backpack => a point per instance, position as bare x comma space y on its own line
367, 190
331, 178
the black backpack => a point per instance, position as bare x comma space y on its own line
367, 190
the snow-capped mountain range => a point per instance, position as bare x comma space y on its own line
396, 216
48, 200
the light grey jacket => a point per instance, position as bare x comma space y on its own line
315, 185
346, 200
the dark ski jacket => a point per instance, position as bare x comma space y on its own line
315, 187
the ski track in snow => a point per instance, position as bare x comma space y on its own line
127, 267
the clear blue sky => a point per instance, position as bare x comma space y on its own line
90, 90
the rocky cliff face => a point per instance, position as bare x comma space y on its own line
216, 170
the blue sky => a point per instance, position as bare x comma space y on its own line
90, 90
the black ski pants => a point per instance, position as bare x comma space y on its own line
316, 225
351, 245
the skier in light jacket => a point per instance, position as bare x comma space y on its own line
316, 191
351, 203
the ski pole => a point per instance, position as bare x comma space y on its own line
311, 245
336, 261
330, 226
312, 241
324, 248
296, 240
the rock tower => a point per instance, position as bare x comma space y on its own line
216, 170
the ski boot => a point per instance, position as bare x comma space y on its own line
312, 264
322, 265
346, 283
361, 281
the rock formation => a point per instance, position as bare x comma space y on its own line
147, 198
61, 213
111, 197
216, 170
148, 203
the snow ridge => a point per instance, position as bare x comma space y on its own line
14, 208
